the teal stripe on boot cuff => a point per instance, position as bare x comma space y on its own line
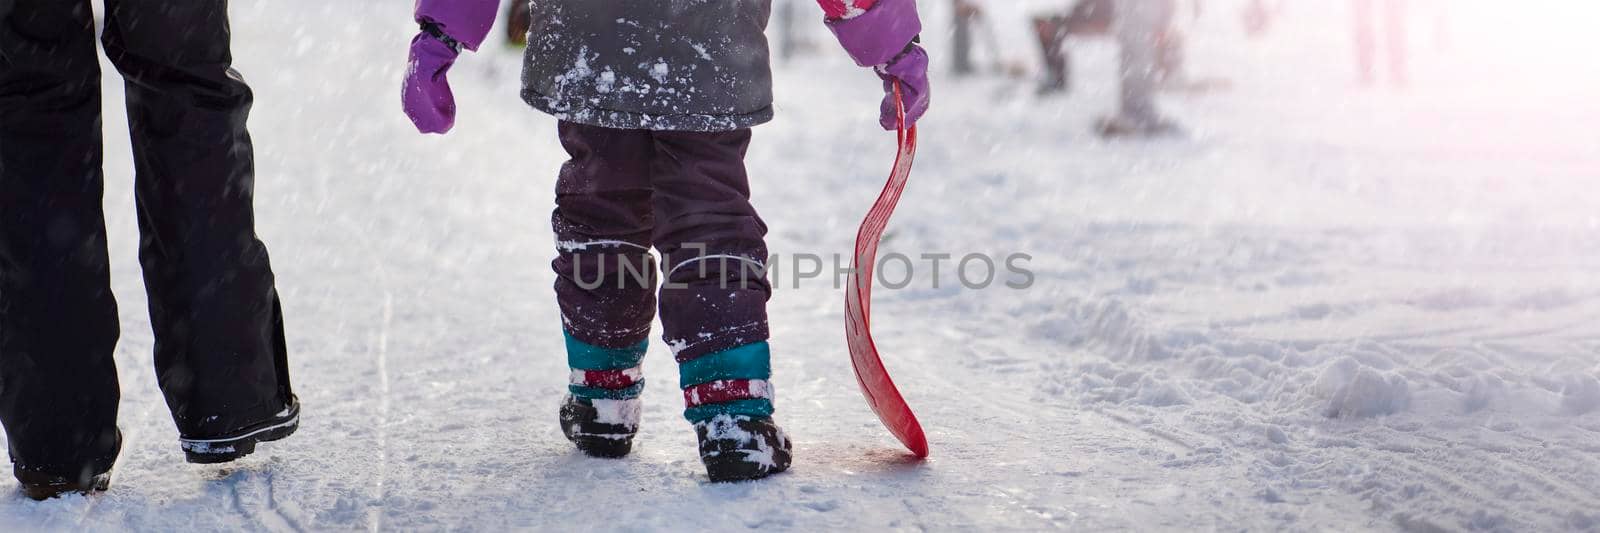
599, 393
757, 408
751, 361
584, 356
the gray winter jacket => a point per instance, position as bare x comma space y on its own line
682, 65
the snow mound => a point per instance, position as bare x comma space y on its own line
1352, 390
1580, 395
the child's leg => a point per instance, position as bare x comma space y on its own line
605, 280
714, 305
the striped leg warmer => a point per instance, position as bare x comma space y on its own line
607, 378
732, 382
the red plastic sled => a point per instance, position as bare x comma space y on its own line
874, 379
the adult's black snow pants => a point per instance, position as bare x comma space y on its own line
219, 348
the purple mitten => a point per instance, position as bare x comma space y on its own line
911, 70
882, 38
448, 27
426, 92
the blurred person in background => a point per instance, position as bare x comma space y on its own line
519, 17
220, 355
1140, 27
967, 14
1084, 19
784, 19
972, 30
1375, 21
1257, 17
1098, 18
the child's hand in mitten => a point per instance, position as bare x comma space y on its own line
448, 26
883, 35
910, 68
426, 92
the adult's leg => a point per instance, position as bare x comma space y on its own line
1051, 31
220, 354
58, 320
1365, 39
1395, 27
961, 41
1170, 57
783, 17
1139, 26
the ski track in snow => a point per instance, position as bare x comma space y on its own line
1326, 309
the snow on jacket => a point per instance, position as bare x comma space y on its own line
684, 65
697, 65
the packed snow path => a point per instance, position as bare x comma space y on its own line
1325, 309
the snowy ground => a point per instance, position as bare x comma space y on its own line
1326, 309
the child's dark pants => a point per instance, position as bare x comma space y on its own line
686, 194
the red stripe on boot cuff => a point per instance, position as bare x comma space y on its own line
726, 391
606, 379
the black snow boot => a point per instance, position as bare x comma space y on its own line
225, 448
740, 448
600, 428
43, 486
